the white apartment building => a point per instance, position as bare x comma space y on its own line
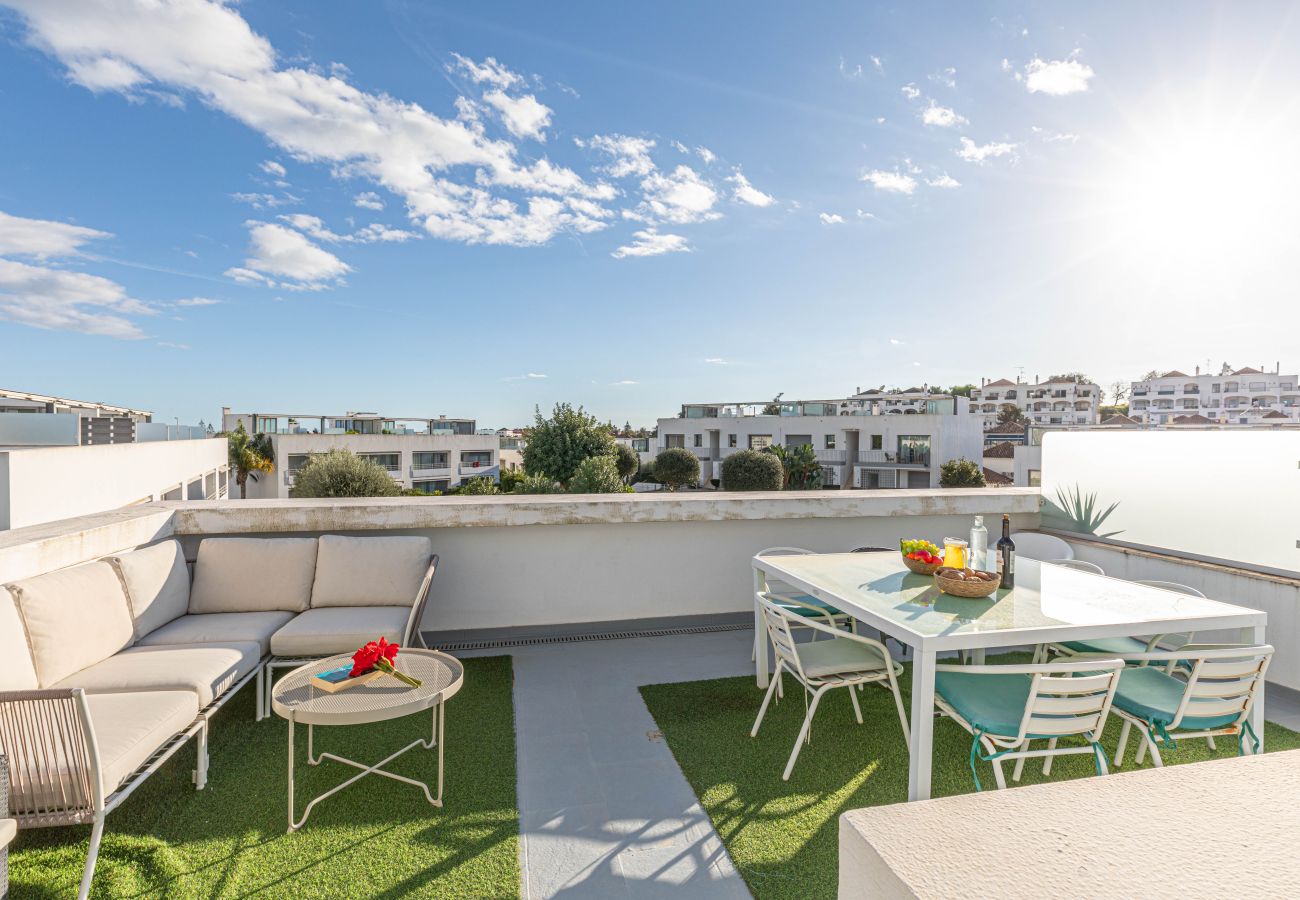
874, 439
1244, 397
427, 454
61, 458
1042, 402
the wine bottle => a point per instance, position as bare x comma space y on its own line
1007, 554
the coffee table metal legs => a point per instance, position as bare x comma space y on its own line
436, 738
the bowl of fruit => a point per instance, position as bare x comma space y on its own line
922, 557
966, 582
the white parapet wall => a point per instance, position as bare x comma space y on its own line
45, 484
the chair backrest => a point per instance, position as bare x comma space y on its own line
1171, 586
871, 550
773, 583
1081, 565
778, 623
1223, 681
1032, 545
1068, 698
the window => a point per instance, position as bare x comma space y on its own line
428, 459
697, 440
760, 441
641, 445
914, 449
731, 440
674, 440
830, 442
877, 442
1035, 477
297, 461
1214, 388
264, 425
390, 461
430, 487
476, 458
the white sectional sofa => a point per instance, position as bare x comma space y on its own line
108, 667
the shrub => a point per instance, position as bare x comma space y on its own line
597, 475
341, 473
961, 472
675, 467
556, 446
752, 470
479, 486
538, 484
509, 479
802, 471
626, 461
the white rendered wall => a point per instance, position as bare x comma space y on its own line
40, 430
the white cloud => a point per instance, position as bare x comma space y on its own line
715, 360
1054, 137
681, 197
280, 252
1057, 77
265, 201
978, 153
910, 91
524, 116
534, 375
880, 66
487, 72
893, 182
943, 181
849, 71
271, 167
863, 214
368, 200
706, 154
946, 77
895, 341
631, 155
1006, 64
652, 243
42, 238
680, 147
173, 345
747, 193
941, 116
625, 381
831, 218
880, 120
197, 301
370, 234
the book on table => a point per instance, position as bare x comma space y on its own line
340, 678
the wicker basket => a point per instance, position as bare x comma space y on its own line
921, 568
970, 589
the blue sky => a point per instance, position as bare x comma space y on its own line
425, 208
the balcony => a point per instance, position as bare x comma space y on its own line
443, 471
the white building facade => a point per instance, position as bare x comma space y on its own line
1042, 403
873, 440
429, 455
1244, 397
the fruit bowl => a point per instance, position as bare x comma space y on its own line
920, 556
922, 568
970, 586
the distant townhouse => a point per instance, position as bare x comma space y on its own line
426, 454
1244, 397
873, 439
1053, 402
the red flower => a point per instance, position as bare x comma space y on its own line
379, 655
364, 659
386, 650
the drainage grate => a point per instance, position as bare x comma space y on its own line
597, 636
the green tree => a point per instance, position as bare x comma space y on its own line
597, 475
479, 487
961, 472
250, 455
626, 461
558, 445
752, 470
774, 408
341, 473
961, 390
1010, 414
1117, 409
675, 467
801, 470
538, 484
510, 478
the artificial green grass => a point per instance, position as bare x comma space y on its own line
376, 838
783, 836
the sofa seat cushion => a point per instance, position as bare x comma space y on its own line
253, 575
342, 629
205, 669
218, 628
369, 571
157, 584
74, 617
17, 673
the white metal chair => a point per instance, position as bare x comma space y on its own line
1081, 565
1033, 545
804, 605
1215, 698
1006, 708
846, 660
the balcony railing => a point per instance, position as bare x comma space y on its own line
889, 457
431, 471
832, 456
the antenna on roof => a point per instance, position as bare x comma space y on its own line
1021, 376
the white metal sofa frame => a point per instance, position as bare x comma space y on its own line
54, 725
271, 663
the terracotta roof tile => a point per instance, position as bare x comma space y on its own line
1000, 450
1001, 382
992, 477
1120, 420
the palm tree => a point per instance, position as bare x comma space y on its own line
251, 456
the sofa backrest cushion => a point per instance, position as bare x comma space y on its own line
369, 571
74, 617
253, 575
16, 670
157, 585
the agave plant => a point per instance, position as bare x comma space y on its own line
802, 470
1073, 510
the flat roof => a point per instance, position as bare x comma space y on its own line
66, 401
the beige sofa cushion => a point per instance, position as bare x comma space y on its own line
205, 669
75, 618
16, 670
220, 628
341, 629
253, 575
369, 571
157, 584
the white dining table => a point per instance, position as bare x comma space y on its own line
1049, 604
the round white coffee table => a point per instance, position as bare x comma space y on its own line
296, 699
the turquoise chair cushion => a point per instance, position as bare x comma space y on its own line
804, 611
1149, 694
992, 703
1122, 646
